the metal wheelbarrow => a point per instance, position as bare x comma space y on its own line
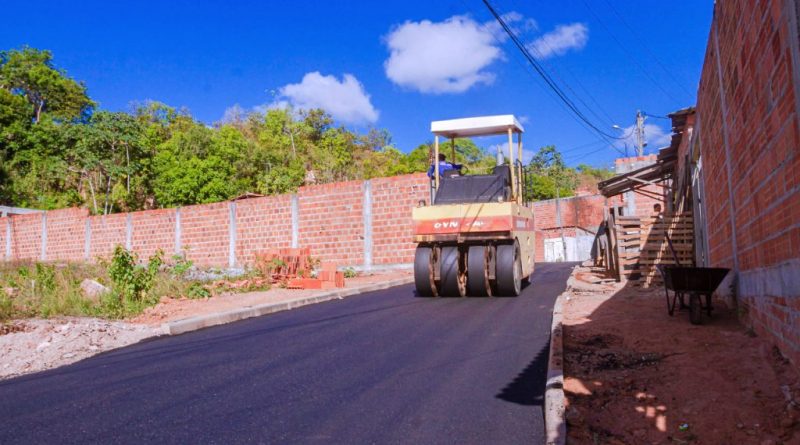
694, 281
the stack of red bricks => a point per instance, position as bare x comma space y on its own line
293, 266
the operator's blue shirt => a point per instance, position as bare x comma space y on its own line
443, 167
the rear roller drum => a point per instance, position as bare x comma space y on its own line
509, 270
453, 273
425, 262
479, 260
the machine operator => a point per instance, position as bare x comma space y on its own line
443, 166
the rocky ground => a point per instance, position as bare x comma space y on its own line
33, 345
635, 375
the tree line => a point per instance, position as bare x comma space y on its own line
58, 149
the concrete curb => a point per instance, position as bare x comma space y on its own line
554, 401
204, 321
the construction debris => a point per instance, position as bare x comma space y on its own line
294, 268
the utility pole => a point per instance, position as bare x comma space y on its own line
640, 143
558, 221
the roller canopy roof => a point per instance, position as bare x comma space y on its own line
476, 126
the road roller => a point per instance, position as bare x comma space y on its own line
476, 235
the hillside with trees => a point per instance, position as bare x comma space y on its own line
58, 149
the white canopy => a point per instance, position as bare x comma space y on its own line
476, 126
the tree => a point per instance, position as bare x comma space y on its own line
30, 73
547, 173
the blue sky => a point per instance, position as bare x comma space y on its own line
393, 65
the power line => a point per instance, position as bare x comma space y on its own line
646, 48
656, 116
574, 77
631, 56
544, 75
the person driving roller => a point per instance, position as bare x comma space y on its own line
444, 166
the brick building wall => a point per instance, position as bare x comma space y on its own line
747, 124
642, 201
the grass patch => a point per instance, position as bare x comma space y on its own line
47, 290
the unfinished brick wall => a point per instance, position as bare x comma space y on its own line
331, 219
26, 240
63, 227
392, 231
261, 224
155, 230
107, 231
204, 233
645, 198
748, 127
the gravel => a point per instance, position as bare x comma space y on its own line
34, 345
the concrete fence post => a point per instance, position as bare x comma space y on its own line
87, 239
367, 215
8, 239
295, 221
43, 255
232, 234
178, 233
129, 232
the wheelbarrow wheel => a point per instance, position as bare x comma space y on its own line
695, 308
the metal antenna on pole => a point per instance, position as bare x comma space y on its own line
640, 143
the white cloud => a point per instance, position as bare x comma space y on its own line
655, 137
441, 57
562, 39
345, 100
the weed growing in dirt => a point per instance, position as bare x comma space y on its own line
46, 290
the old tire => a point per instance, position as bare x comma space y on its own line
478, 262
424, 264
509, 270
452, 273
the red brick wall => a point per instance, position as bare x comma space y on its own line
153, 230
66, 230
26, 238
3, 227
262, 223
330, 217
392, 201
204, 233
648, 196
756, 105
106, 232
332, 221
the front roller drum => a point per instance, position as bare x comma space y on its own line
453, 272
509, 270
425, 263
479, 263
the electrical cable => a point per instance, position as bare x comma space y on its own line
575, 78
631, 56
646, 48
656, 116
544, 75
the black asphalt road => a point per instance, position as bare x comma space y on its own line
383, 367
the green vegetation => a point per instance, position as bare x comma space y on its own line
58, 150
46, 290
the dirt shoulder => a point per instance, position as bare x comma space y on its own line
635, 375
33, 345
171, 309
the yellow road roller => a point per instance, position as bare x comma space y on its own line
476, 237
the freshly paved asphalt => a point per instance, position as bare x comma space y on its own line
383, 367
